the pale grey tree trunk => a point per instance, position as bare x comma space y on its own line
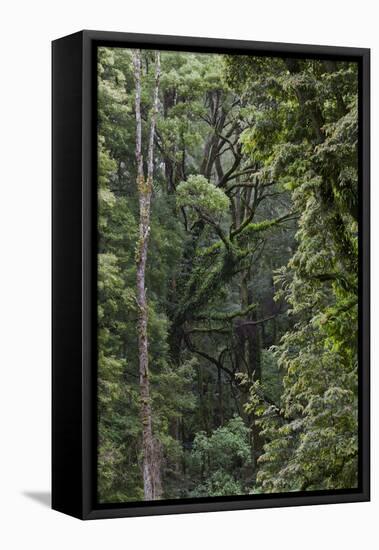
150, 448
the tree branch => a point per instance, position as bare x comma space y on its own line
209, 358
227, 316
262, 226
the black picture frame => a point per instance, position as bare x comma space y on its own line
74, 274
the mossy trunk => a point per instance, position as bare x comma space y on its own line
150, 446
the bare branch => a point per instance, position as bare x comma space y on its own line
209, 358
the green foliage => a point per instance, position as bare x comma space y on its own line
201, 195
251, 275
220, 460
311, 434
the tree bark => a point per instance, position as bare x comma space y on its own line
150, 447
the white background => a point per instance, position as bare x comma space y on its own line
27, 27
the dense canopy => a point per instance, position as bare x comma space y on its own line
245, 200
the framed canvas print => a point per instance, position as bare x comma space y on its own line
210, 274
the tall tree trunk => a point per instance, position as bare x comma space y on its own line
220, 397
150, 448
250, 341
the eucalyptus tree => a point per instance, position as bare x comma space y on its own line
150, 446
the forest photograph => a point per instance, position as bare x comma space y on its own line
227, 275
